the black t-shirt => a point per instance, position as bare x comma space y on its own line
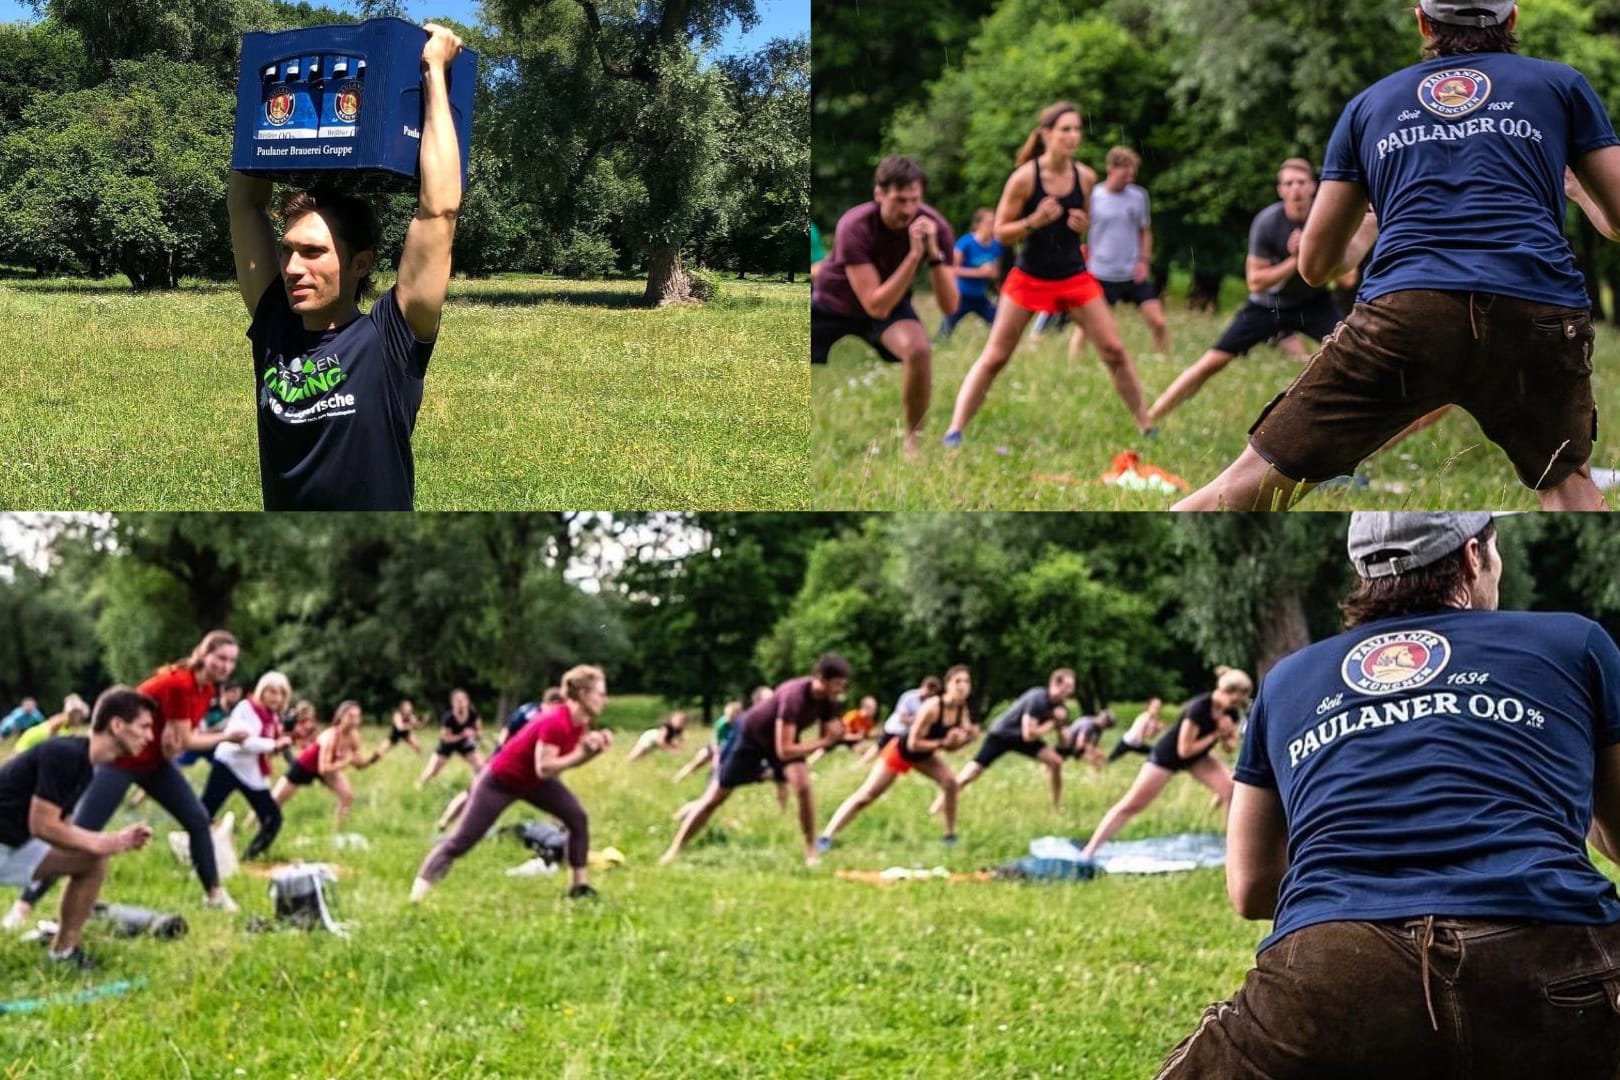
57, 770
1201, 711
456, 730
336, 407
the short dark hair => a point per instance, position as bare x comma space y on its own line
1428, 588
351, 218
120, 703
832, 666
931, 685
897, 170
1447, 40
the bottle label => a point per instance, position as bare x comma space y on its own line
345, 111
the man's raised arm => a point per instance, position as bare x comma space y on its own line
253, 238
424, 266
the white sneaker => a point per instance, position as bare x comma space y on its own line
221, 901
16, 918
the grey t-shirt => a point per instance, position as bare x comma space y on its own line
1268, 240
1035, 702
1114, 241
905, 711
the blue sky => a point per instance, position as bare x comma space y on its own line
778, 18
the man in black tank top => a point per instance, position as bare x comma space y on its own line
864, 288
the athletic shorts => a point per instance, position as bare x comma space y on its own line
17, 864
995, 745
896, 760
827, 327
397, 736
297, 774
1523, 370
1050, 297
1256, 324
742, 763
445, 749
1129, 292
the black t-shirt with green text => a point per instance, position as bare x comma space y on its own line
336, 408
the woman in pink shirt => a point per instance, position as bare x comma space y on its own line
528, 767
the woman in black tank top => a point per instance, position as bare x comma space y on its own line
1043, 211
942, 723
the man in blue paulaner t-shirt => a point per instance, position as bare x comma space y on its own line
338, 392
1472, 296
1412, 804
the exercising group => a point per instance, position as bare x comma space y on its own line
1472, 302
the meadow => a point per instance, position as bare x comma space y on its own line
737, 961
1050, 429
542, 394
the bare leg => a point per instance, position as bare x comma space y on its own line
285, 789
85, 874
1249, 483
1188, 382
1414, 427
908, 339
1144, 789
1004, 333
940, 773
698, 759
340, 786
1077, 342
1153, 315
1576, 492
798, 778
1213, 775
435, 763
1054, 775
877, 782
970, 772
1099, 325
693, 823
452, 812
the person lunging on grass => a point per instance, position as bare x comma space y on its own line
529, 767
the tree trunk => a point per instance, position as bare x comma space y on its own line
667, 282
1283, 630
1205, 291
791, 272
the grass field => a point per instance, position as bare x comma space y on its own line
735, 962
1049, 430
543, 393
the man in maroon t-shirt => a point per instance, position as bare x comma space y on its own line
765, 740
864, 287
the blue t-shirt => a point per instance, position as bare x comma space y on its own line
1439, 764
336, 407
975, 254
1463, 161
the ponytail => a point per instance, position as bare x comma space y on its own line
1035, 145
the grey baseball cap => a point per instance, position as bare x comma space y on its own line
1384, 544
1468, 12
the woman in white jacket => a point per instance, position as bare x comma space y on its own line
245, 766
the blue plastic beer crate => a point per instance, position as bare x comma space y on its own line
342, 105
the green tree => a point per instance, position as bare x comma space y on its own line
767, 198
125, 175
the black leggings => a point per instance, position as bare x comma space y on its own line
221, 782
1122, 748
164, 784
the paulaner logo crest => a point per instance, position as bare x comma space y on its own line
1454, 93
347, 106
278, 110
1390, 663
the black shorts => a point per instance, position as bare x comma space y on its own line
827, 327
395, 735
995, 745
1129, 292
742, 763
297, 774
445, 749
1256, 324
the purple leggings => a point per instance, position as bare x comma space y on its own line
488, 800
